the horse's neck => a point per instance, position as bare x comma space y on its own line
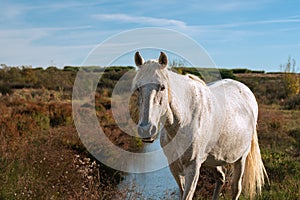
182, 102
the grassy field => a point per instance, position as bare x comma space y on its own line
42, 157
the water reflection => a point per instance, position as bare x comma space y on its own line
152, 185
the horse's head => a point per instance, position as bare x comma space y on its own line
151, 82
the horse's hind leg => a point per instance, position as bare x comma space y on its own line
238, 171
220, 180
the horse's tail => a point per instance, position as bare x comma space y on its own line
255, 172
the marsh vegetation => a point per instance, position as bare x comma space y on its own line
42, 157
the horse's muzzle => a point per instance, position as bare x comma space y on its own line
150, 139
147, 132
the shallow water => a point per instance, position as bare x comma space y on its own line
159, 184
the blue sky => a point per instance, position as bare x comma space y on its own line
257, 34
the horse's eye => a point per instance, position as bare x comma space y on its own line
138, 89
162, 87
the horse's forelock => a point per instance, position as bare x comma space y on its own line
150, 72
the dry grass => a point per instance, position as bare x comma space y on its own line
41, 156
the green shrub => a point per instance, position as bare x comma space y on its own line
70, 68
60, 114
291, 79
5, 89
227, 73
258, 71
293, 103
241, 71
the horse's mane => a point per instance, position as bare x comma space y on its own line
196, 78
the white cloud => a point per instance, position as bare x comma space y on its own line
10, 11
61, 5
32, 34
20, 47
231, 6
221, 6
237, 27
14, 11
272, 21
140, 20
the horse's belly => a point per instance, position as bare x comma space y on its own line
211, 161
229, 149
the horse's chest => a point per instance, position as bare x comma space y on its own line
181, 153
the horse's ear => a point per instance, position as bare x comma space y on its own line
138, 59
163, 59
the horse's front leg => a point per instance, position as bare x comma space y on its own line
191, 178
178, 177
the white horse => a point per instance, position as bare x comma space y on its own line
212, 131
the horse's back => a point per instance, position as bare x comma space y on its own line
236, 96
239, 108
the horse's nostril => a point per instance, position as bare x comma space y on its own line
144, 129
153, 130
144, 126
147, 130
